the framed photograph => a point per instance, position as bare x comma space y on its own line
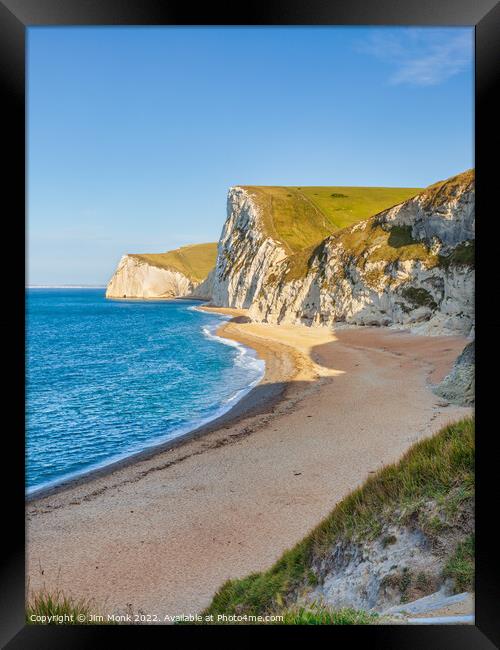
244, 391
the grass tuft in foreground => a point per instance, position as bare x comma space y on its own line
460, 566
320, 615
54, 608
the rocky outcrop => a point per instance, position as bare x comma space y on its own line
246, 253
409, 266
402, 564
458, 387
443, 214
412, 547
203, 291
405, 535
136, 278
173, 274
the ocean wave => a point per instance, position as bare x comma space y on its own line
243, 373
220, 410
247, 357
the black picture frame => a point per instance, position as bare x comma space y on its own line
15, 17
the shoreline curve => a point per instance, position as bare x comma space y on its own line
164, 533
246, 406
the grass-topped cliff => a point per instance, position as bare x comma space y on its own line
447, 190
194, 261
364, 256
299, 217
424, 501
162, 275
410, 264
377, 240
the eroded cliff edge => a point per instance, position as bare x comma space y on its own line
410, 266
173, 274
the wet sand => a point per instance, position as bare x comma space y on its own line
159, 534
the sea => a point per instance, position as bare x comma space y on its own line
106, 379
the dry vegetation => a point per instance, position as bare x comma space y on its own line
195, 261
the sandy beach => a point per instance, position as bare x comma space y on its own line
160, 534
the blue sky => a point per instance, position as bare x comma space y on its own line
135, 134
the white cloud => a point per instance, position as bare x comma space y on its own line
422, 56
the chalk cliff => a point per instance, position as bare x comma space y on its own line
136, 278
246, 253
411, 265
173, 274
458, 386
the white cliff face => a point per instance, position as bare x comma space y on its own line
428, 301
429, 289
458, 386
245, 253
446, 215
135, 278
203, 291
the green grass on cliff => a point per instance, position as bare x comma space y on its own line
300, 217
320, 615
446, 190
460, 566
440, 468
370, 243
303, 218
195, 261
462, 255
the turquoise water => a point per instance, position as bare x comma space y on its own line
106, 379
